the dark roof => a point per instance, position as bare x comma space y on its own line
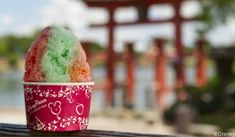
227, 52
123, 3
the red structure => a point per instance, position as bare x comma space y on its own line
160, 71
130, 75
178, 44
87, 48
142, 8
201, 63
110, 60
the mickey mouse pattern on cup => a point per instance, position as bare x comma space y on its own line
55, 107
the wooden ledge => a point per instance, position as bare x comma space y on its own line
7, 130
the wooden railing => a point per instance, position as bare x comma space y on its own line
9, 130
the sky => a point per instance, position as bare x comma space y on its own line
25, 16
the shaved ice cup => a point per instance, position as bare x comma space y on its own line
57, 106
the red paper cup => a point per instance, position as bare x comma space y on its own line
57, 106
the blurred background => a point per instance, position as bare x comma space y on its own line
160, 66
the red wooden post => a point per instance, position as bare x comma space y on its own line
130, 79
177, 20
160, 72
179, 46
180, 79
87, 48
110, 61
201, 63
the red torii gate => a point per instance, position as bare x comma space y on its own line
142, 6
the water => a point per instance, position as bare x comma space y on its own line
11, 92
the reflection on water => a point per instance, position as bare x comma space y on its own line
11, 92
11, 89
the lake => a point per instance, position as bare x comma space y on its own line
11, 91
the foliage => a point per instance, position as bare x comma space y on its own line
96, 48
214, 102
13, 47
206, 99
224, 121
215, 12
15, 44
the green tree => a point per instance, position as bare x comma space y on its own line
13, 47
215, 12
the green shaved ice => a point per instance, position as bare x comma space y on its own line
61, 51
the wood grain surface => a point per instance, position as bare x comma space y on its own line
9, 130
